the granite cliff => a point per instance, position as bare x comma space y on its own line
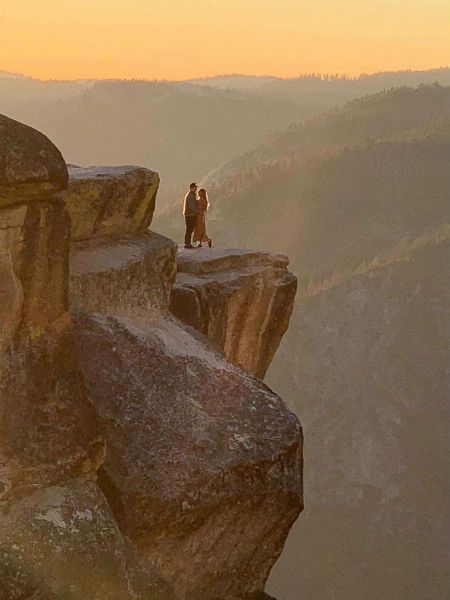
135, 460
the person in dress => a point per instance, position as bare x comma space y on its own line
200, 235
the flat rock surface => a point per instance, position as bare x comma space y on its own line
101, 172
210, 260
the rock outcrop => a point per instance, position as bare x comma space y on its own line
241, 300
108, 201
204, 463
135, 461
63, 541
128, 276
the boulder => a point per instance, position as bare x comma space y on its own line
204, 462
241, 300
110, 201
129, 276
31, 166
63, 542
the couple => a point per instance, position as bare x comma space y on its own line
194, 211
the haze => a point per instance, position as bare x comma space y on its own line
174, 39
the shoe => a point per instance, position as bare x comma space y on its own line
200, 246
210, 243
189, 247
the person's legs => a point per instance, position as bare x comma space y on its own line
190, 225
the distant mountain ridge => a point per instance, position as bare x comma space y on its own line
182, 129
382, 115
9, 75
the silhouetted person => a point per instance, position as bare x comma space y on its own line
191, 210
200, 234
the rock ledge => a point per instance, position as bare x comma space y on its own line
240, 299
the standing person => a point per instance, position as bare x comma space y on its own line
200, 225
191, 211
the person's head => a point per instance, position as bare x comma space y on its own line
202, 193
193, 187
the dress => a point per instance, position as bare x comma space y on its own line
200, 226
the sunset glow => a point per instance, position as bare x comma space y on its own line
178, 39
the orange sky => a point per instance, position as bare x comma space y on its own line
178, 39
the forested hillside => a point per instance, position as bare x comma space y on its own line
358, 198
342, 188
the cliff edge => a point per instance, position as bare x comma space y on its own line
241, 300
135, 460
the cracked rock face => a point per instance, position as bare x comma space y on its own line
241, 300
110, 201
204, 462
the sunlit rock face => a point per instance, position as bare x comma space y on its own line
110, 201
48, 429
34, 247
203, 469
241, 300
34, 231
